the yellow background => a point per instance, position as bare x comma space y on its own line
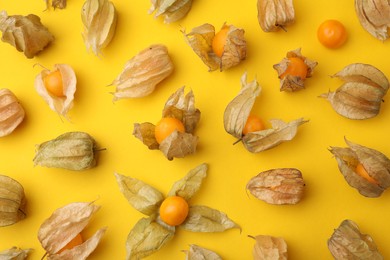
306, 226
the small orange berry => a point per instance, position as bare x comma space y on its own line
76, 241
296, 67
332, 34
253, 124
174, 210
53, 83
166, 126
360, 170
219, 41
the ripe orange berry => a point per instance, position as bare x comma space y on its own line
332, 34
174, 210
253, 124
53, 83
360, 170
76, 241
296, 67
166, 126
219, 41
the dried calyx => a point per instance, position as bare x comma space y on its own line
274, 15
15, 253
12, 201
171, 10
197, 253
60, 4
269, 247
11, 112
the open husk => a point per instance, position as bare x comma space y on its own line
63, 225
360, 97
178, 144
269, 248
376, 165
347, 242
15, 253
199, 253
275, 14
12, 201
11, 112
64, 103
143, 73
171, 10
200, 39
374, 16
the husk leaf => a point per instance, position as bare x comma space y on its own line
15, 253
200, 253
12, 201
171, 10
61, 4
11, 112
140, 195
266, 139
275, 14
206, 219
238, 110
189, 185
269, 247
26, 33
178, 145
146, 237
72, 151
145, 133
347, 242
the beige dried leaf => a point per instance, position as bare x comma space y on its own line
361, 95
290, 82
269, 248
374, 16
61, 4
275, 14
199, 253
15, 253
11, 112
60, 104
143, 73
99, 19
348, 243
171, 10
278, 186
12, 201
26, 33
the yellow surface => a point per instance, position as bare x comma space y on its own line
306, 226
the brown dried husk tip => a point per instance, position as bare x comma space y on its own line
199, 253
200, 39
12, 201
270, 248
171, 10
289, 82
347, 242
376, 165
11, 112
274, 15
361, 95
60, 4
26, 33
15, 253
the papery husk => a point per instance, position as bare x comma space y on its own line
26, 33
278, 186
275, 14
200, 253
348, 243
374, 16
200, 39
11, 112
143, 73
99, 19
74, 151
280, 132
374, 162
293, 83
63, 225
171, 10
12, 201
269, 248
360, 97
60, 4
237, 111
15, 253
63, 104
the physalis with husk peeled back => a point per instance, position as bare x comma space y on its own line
173, 135
294, 70
15, 253
218, 50
61, 234
361, 95
57, 87
374, 16
143, 73
12, 201
26, 33
347, 242
274, 15
269, 248
364, 169
200, 253
237, 116
172, 10
11, 112
167, 213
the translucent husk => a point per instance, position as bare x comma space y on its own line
12, 201
348, 243
270, 248
15, 253
199, 253
171, 10
278, 186
11, 112
62, 104
200, 39
26, 33
360, 97
143, 73
290, 82
274, 15
99, 19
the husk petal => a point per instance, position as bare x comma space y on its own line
200, 253
15, 253
171, 10
269, 247
11, 112
12, 201
178, 145
275, 14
